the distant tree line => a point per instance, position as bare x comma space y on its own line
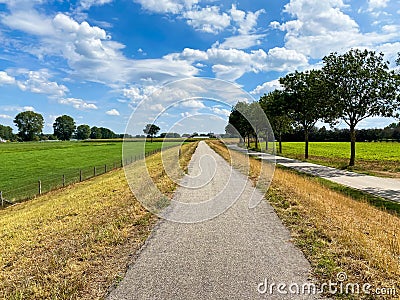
30, 125
349, 88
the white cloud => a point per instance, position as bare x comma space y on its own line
266, 87
86, 4
242, 41
193, 104
208, 19
221, 111
6, 79
77, 103
246, 21
166, 6
38, 82
321, 27
5, 116
113, 112
377, 4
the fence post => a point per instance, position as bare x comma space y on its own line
94, 171
1, 197
40, 187
63, 180
80, 175
105, 168
180, 152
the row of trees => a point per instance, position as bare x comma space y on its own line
349, 87
30, 125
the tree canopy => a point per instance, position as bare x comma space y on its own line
30, 125
83, 132
64, 127
151, 130
359, 86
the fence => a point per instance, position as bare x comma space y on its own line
29, 190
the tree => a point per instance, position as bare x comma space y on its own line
273, 105
151, 130
305, 100
360, 85
64, 127
6, 132
83, 132
30, 125
95, 133
238, 123
107, 133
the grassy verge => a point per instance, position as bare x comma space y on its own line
75, 242
335, 232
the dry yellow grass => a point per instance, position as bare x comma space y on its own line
335, 232
75, 242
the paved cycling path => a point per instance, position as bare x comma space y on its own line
388, 188
226, 257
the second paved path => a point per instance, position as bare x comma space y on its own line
226, 257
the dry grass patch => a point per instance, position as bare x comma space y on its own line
76, 242
335, 232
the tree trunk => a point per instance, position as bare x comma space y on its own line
280, 143
248, 141
256, 141
266, 142
352, 146
306, 144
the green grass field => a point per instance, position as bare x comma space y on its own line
380, 158
374, 158
24, 164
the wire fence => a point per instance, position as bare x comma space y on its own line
30, 190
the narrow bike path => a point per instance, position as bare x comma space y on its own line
230, 256
388, 188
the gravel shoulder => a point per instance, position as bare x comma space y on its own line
228, 256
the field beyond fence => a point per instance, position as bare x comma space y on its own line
31, 169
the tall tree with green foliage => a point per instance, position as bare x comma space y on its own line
64, 127
274, 106
95, 133
83, 132
305, 100
30, 125
6, 132
151, 130
238, 123
360, 86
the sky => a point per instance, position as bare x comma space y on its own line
112, 63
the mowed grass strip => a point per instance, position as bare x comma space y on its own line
375, 158
334, 231
24, 164
74, 243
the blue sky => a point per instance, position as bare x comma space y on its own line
97, 60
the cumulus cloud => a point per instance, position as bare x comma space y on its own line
86, 4
193, 104
77, 103
319, 28
2, 116
267, 87
6, 79
208, 19
166, 6
38, 82
245, 20
113, 112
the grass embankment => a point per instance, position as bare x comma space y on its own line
334, 231
23, 164
75, 242
375, 158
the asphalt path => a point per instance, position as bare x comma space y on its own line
243, 253
388, 188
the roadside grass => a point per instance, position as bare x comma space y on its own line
374, 158
23, 164
334, 231
76, 242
